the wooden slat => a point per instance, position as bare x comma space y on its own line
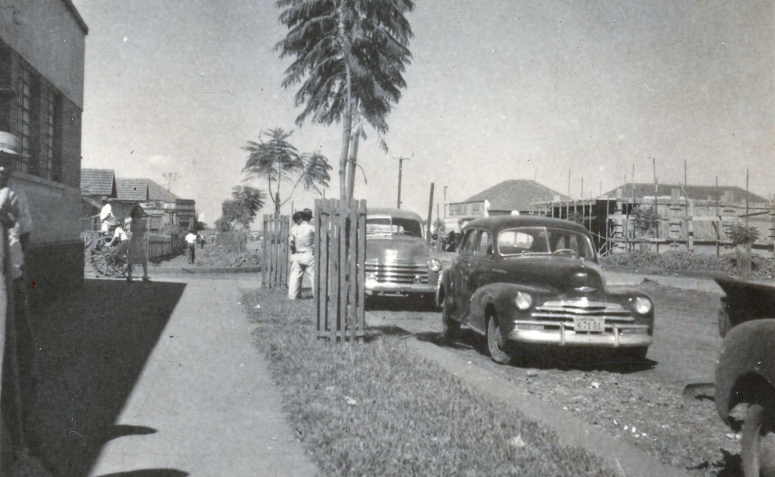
342, 219
276, 272
264, 257
316, 270
325, 260
333, 274
352, 261
361, 280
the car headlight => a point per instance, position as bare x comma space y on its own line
642, 305
434, 265
523, 301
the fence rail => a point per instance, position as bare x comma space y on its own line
274, 260
232, 242
340, 255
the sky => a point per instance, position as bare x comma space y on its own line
497, 89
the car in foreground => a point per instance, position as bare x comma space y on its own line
745, 370
398, 261
535, 281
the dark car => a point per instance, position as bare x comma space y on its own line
398, 261
526, 281
745, 371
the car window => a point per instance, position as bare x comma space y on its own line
569, 240
522, 240
485, 245
392, 225
468, 243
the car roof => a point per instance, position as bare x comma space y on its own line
395, 213
510, 221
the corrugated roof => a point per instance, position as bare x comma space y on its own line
695, 192
98, 182
516, 194
132, 189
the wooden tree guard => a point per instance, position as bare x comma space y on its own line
274, 259
340, 256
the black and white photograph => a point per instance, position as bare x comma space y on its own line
324, 238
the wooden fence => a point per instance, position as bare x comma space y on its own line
232, 242
743, 265
340, 256
274, 259
156, 245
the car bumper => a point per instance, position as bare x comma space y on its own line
616, 336
386, 288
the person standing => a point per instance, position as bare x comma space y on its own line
106, 215
200, 237
302, 243
138, 252
191, 244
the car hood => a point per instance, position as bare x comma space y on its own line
397, 247
562, 274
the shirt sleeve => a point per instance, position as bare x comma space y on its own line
25, 219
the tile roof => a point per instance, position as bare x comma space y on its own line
159, 192
516, 194
98, 182
132, 189
695, 192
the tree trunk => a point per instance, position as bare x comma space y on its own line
277, 203
353, 160
347, 117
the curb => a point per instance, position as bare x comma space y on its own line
631, 461
201, 270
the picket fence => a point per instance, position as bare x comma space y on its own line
274, 259
232, 242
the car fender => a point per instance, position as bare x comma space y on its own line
746, 366
501, 297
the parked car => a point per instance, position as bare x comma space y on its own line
526, 280
398, 261
746, 369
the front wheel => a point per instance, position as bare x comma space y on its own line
758, 454
495, 342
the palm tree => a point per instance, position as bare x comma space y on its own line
277, 159
352, 54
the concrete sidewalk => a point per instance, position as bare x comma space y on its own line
206, 392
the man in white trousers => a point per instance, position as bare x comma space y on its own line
302, 243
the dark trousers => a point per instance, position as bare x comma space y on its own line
191, 252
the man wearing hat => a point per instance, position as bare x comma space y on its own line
303, 242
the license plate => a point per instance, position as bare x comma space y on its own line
590, 324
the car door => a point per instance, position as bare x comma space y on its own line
462, 272
480, 273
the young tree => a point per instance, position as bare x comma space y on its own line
645, 219
276, 160
352, 54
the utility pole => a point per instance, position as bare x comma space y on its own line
445, 202
430, 217
400, 168
569, 183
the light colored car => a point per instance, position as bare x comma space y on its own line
398, 261
534, 281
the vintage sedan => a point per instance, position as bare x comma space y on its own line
525, 281
398, 259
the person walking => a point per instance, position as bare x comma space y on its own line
191, 244
302, 243
137, 247
200, 237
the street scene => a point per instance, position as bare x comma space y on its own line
387, 238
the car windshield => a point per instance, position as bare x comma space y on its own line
393, 225
544, 240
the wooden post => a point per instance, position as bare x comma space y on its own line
690, 225
718, 229
430, 217
352, 260
342, 225
361, 257
264, 257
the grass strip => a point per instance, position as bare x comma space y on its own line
378, 409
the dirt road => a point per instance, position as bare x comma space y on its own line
640, 403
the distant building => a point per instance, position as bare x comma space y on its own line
511, 197
41, 101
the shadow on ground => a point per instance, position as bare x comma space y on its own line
93, 346
401, 304
544, 357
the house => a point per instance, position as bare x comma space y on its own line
511, 197
41, 102
95, 184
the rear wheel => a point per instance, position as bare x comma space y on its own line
451, 327
495, 342
758, 454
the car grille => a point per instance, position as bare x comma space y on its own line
397, 272
565, 311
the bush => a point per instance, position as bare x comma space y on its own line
683, 261
739, 234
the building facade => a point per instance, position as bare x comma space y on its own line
41, 102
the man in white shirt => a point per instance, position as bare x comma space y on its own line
191, 244
106, 214
123, 239
302, 241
